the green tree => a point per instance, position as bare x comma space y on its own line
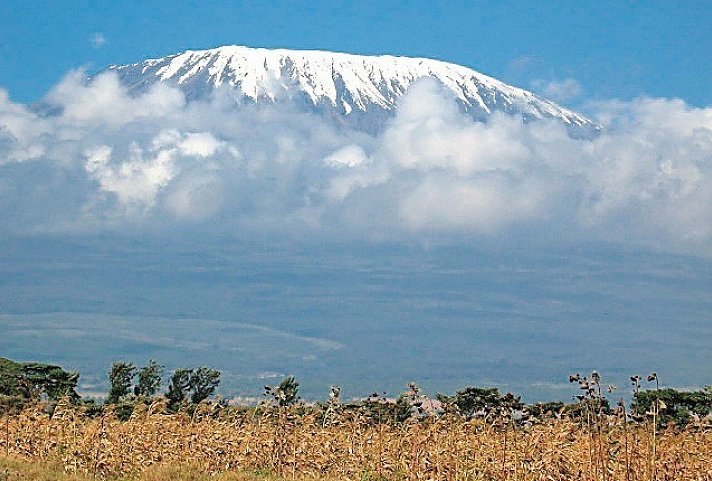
378, 409
149, 379
120, 377
203, 383
474, 401
286, 393
674, 406
51, 381
178, 387
22, 382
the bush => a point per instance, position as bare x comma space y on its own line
677, 407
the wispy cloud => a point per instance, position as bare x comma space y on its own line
559, 90
97, 40
523, 63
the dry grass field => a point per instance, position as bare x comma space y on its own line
12, 469
239, 445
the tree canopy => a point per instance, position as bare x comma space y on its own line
21, 382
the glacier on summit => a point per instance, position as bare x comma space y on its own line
361, 91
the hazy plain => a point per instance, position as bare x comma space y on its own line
367, 317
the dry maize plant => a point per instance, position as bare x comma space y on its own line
300, 442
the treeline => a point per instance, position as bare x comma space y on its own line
21, 383
130, 385
193, 385
186, 388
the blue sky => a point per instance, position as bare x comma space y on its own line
612, 49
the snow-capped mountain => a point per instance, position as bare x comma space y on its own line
362, 90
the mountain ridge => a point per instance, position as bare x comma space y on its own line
356, 87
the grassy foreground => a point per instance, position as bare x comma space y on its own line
283, 444
13, 469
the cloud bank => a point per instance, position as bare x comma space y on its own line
560, 90
93, 158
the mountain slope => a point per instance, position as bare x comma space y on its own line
362, 89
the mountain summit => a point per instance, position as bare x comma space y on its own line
362, 90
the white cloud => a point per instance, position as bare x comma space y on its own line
483, 205
200, 144
559, 90
97, 40
105, 159
135, 181
19, 129
195, 196
349, 156
105, 102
